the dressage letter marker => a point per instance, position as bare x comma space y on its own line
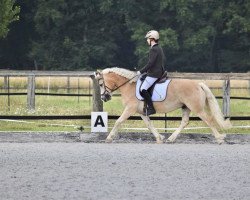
99, 122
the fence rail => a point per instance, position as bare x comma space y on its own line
87, 95
22, 73
97, 103
112, 117
205, 76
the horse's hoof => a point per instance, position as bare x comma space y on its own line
220, 141
108, 140
169, 140
159, 142
162, 137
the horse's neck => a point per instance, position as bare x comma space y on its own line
127, 92
126, 89
120, 80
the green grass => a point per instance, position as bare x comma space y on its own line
52, 105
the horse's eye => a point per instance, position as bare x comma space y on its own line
101, 84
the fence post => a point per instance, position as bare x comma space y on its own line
226, 98
249, 86
97, 102
5, 82
7, 88
31, 93
68, 84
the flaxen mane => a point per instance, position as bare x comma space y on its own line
122, 72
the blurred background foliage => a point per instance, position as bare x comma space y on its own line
196, 35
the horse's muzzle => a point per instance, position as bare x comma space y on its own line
106, 97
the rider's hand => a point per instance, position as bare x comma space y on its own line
138, 73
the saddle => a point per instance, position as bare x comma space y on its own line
162, 79
158, 90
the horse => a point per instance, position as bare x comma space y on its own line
185, 94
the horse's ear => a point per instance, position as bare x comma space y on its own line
97, 73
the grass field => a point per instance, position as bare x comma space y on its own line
51, 105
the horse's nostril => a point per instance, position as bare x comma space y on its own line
104, 98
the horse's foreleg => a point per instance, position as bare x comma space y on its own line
184, 123
125, 115
159, 137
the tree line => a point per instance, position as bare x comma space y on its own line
196, 35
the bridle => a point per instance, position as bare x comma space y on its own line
108, 90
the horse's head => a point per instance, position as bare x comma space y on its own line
112, 79
105, 86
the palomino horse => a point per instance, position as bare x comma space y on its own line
186, 94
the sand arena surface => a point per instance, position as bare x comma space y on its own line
124, 171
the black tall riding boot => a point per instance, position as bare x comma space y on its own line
149, 104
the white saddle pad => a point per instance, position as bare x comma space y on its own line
159, 93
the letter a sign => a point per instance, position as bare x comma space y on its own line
99, 122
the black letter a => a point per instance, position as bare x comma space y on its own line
99, 121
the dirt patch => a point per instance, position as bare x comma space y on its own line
23, 137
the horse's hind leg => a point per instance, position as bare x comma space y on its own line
159, 137
184, 123
209, 121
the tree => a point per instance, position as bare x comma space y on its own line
15, 48
196, 35
79, 35
8, 14
208, 35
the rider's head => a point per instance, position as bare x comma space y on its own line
152, 37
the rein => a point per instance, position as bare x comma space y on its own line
112, 90
123, 84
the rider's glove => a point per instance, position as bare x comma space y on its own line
138, 73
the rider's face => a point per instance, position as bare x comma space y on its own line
148, 41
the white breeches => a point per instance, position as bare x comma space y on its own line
147, 83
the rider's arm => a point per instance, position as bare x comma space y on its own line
151, 61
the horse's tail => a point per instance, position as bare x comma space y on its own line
215, 109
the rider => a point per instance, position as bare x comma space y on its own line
154, 69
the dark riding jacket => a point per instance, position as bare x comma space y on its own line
155, 65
